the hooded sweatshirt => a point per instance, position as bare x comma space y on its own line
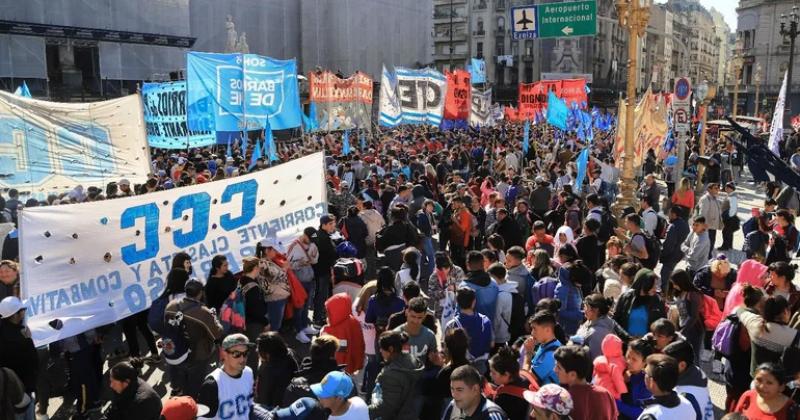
344, 326
478, 329
609, 368
593, 333
486, 292
502, 317
692, 383
396, 389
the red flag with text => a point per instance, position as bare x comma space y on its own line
457, 102
573, 91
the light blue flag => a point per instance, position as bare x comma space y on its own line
363, 141
23, 90
272, 149
557, 112
583, 160
477, 71
256, 155
229, 152
310, 120
526, 138
346, 142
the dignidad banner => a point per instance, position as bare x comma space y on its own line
91, 264
341, 103
165, 117
52, 147
236, 92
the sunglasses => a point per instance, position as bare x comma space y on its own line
237, 354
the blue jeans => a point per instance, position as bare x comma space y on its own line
371, 371
429, 257
301, 315
275, 313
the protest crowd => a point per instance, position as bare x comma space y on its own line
460, 274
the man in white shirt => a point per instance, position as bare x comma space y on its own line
660, 378
228, 390
649, 216
332, 393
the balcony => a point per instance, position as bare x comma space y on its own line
480, 6
500, 32
479, 32
500, 5
445, 18
445, 37
527, 58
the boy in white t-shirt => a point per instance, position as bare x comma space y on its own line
332, 393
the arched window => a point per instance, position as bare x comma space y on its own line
501, 23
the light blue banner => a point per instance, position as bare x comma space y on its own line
165, 118
477, 71
557, 111
235, 92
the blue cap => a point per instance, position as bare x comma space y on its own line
334, 384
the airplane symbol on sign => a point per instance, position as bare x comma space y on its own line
524, 21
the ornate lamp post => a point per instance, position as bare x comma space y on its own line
633, 15
789, 29
757, 75
704, 94
736, 72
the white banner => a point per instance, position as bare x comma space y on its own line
422, 95
52, 147
390, 112
91, 264
481, 112
776, 129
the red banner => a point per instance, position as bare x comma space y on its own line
573, 91
457, 102
533, 97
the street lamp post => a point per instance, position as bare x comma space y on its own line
633, 16
705, 94
757, 81
736, 71
789, 29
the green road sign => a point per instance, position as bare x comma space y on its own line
559, 20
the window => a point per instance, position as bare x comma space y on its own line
501, 24
529, 47
479, 50
480, 25
499, 46
515, 47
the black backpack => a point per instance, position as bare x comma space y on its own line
661, 227
607, 225
653, 247
516, 325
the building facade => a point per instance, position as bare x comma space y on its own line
758, 33
82, 50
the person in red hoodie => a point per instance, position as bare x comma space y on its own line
344, 326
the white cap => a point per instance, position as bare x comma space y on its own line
9, 306
270, 242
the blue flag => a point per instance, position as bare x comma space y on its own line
363, 141
557, 111
310, 120
256, 156
23, 90
583, 160
477, 71
526, 138
346, 142
272, 150
229, 152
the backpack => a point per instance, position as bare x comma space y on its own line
726, 336
155, 318
661, 227
712, 315
485, 298
231, 313
653, 247
516, 322
543, 288
607, 225
175, 338
348, 269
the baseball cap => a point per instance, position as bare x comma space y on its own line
551, 397
269, 242
234, 340
124, 182
9, 306
309, 231
334, 384
325, 219
183, 408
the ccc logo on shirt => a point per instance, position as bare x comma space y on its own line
237, 407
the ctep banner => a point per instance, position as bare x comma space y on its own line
341, 103
165, 117
51, 147
457, 102
91, 264
421, 94
236, 92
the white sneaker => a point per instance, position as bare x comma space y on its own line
302, 337
310, 330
